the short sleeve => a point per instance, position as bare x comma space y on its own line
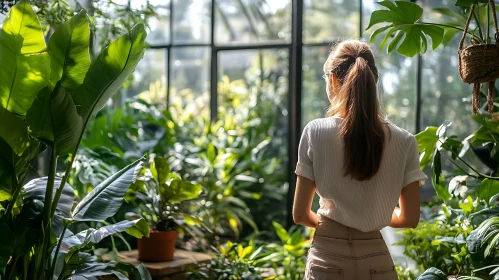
304, 167
412, 171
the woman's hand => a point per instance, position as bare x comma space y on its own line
304, 195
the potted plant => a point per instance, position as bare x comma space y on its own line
165, 198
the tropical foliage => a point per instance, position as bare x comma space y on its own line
48, 94
165, 197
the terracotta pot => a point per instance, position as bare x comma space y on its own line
159, 247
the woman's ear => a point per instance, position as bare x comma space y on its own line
334, 81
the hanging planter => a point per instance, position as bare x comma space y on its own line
479, 63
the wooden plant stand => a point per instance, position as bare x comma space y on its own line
172, 270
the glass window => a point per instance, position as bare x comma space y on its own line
191, 21
253, 95
246, 21
325, 20
150, 77
190, 80
253, 76
314, 101
159, 32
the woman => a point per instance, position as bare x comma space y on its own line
361, 166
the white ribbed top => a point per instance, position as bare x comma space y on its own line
364, 205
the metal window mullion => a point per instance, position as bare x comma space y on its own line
168, 58
213, 68
295, 88
361, 27
419, 94
168, 75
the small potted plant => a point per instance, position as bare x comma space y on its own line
165, 197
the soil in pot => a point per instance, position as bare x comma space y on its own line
159, 247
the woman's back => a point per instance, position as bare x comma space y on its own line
365, 205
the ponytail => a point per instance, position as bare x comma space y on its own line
356, 101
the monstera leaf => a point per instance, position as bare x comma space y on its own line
409, 36
24, 59
69, 53
105, 199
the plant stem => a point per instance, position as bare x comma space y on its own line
47, 206
480, 175
13, 264
54, 261
478, 22
61, 187
488, 21
450, 26
19, 187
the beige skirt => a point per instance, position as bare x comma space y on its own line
340, 252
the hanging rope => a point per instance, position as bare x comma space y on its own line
490, 97
475, 98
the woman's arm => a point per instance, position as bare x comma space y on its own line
304, 195
407, 216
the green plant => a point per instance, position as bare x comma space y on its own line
231, 261
236, 159
287, 258
460, 239
284, 260
48, 94
165, 197
408, 34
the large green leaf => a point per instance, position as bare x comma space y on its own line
432, 273
68, 125
281, 232
427, 143
410, 36
14, 131
487, 189
108, 72
68, 47
105, 199
39, 117
160, 169
24, 59
137, 228
5, 245
176, 190
437, 178
35, 189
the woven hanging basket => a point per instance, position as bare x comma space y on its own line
480, 64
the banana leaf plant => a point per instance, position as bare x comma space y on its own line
48, 94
